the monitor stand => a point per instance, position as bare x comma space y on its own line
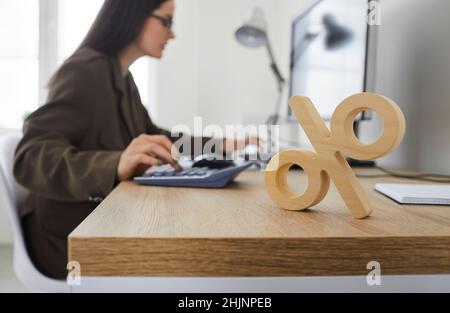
358, 163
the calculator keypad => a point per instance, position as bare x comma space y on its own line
190, 172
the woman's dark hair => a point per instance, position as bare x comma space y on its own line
118, 24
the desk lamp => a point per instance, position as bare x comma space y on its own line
253, 34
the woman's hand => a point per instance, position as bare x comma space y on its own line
144, 152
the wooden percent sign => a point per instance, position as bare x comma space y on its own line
331, 146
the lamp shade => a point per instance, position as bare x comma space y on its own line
253, 33
337, 35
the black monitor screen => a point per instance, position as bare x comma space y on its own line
328, 60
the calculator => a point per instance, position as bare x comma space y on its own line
203, 177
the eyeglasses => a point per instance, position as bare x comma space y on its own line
166, 21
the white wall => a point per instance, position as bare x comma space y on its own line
206, 73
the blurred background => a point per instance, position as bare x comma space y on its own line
206, 72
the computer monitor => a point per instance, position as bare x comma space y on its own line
332, 54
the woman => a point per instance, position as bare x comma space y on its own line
94, 131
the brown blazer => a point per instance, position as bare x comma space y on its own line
71, 147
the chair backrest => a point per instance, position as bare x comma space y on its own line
12, 195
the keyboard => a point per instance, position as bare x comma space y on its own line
203, 177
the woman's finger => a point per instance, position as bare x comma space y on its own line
159, 139
145, 159
155, 150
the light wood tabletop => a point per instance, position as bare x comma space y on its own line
238, 231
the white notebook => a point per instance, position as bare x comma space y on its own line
416, 194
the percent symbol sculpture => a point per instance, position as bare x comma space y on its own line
331, 147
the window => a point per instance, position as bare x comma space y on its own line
45, 33
74, 19
19, 63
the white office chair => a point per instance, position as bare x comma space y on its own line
12, 195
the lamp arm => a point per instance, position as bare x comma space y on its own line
273, 65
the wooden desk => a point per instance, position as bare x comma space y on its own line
183, 232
